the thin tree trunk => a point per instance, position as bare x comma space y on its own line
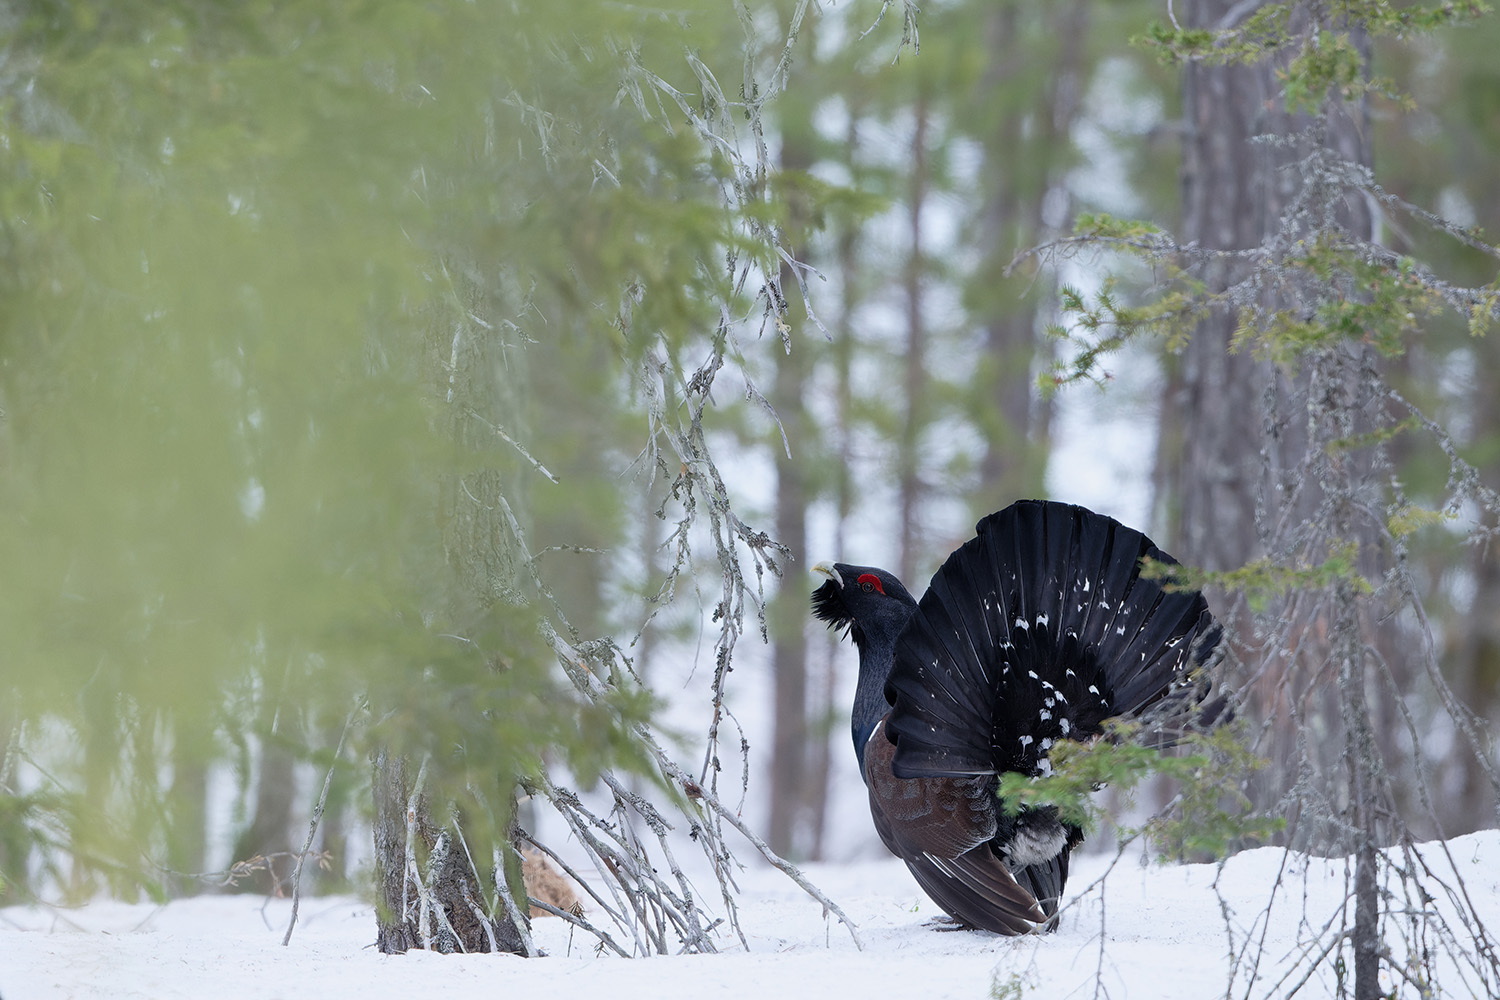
270, 829
791, 798
789, 750
1025, 151
1009, 333
845, 342
12, 852
395, 932
1337, 410
914, 384
187, 839
1476, 660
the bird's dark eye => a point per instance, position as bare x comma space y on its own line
869, 583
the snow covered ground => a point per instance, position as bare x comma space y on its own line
1164, 936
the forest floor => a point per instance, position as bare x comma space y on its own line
1165, 933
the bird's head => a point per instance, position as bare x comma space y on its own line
871, 603
874, 606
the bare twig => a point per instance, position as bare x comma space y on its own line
312, 826
673, 771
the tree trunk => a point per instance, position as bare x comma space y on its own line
448, 911
1025, 152
395, 933
270, 829
789, 749
1220, 448
1212, 421
187, 834
792, 800
826, 711
908, 457
13, 846
1476, 660
1245, 431
1234, 429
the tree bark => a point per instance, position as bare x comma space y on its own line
914, 383
1025, 151
1236, 434
457, 915
1212, 420
270, 829
1234, 429
790, 738
793, 804
187, 835
394, 932
1476, 659
12, 851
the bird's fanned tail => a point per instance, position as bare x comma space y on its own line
1038, 629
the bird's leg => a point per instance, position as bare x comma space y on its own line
947, 923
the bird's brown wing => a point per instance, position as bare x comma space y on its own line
941, 828
944, 817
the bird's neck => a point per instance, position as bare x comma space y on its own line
876, 655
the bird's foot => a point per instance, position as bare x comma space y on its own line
947, 923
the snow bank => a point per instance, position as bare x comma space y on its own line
1163, 931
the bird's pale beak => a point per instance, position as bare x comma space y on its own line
826, 569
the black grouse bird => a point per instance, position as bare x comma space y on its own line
1039, 629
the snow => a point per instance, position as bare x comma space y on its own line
1164, 936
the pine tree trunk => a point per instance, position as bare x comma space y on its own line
1025, 153
12, 852
1334, 386
1212, 422
1233, 428
790, 738
1476, 660
842, 350
791, 800
908, 458
270, 829
455, 914
395, 933
1360, 752
1243, 429
187, 840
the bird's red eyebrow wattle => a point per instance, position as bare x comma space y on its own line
872, 580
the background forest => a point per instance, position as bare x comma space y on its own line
468, 388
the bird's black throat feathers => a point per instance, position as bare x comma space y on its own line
874, 607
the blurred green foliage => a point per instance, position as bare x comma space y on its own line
1209, 815
278, 283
